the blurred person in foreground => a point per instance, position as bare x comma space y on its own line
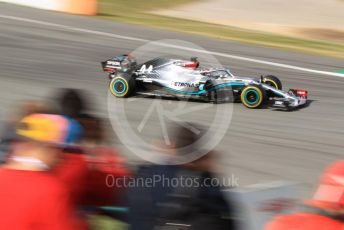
324, 211
104, 161
164, 206
73, 168
87, 160
30, 196
23, 109
105, 166
73, 104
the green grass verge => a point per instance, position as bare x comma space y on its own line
137, 12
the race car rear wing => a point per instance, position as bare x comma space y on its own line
111, 66
122, 63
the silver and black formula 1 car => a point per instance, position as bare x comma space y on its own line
186, 79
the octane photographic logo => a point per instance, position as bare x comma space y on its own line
145, 124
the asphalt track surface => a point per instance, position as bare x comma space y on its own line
259, 145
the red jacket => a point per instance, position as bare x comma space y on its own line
106, 165
73, 171
86, 176
304, 221
34, 200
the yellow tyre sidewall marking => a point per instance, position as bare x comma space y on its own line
116, 94
260, 97
272, 81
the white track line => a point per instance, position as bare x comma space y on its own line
174, 46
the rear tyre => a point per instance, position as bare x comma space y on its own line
253, 96
122, 85
272, 81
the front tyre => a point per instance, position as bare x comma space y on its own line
122, 85
253, 96
272, 81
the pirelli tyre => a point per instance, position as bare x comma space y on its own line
253, 96
122, 85
272, 81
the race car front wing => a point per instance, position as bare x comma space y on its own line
294, 98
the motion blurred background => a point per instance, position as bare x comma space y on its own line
49, 45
